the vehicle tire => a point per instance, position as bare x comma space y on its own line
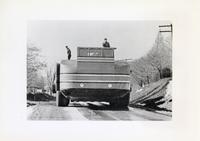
53, 88
122, 102
61, 100
57, 77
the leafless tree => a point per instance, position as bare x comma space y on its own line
142, 71
34, 64
50, 79
145, 69
160, 55
40, 82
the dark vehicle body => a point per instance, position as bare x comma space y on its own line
94, 76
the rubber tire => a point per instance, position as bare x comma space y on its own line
61, 100
122, 102
57, 77
53, 88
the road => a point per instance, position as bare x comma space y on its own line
90, 111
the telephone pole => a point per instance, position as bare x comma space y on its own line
166, 28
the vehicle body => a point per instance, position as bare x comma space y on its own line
94, 76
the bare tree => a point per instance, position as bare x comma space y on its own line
34, 64
160, 55
142, 71
40, 82
50, 79
149, 67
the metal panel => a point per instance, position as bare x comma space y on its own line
95, 67
125, 86
97, 77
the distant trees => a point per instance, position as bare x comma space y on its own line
156, 64
34, 65
160, 55
141, 71
50, 79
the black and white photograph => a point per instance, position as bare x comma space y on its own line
99, 70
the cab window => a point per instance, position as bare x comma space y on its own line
84, 52
95, 52
108, 53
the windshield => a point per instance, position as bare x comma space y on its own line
96, 52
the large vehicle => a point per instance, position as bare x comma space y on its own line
94, 76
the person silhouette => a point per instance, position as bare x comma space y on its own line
68, 52
106, 43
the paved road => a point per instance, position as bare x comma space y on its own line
89, 111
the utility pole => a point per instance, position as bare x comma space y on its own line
169, 29
164, 29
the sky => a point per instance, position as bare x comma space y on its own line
133, 39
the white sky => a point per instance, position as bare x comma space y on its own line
132, 39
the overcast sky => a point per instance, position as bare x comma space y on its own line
133, 39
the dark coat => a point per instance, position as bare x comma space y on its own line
106, 44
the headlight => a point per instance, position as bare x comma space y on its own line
82, 85
109, 85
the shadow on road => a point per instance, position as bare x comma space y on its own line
106, 107
90, 105
97, 106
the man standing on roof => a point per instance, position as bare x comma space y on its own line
106, 43
68, 52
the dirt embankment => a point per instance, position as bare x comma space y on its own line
155, 97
